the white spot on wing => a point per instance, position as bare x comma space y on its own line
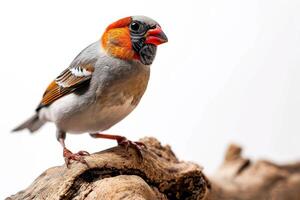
80, 72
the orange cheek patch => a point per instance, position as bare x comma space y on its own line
117, 42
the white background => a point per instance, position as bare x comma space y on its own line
230, 73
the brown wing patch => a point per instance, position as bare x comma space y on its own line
68, 81
52, 93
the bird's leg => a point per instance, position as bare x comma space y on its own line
68, 155
122, 141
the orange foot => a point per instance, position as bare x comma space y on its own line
137, 146
68, 155
123, 141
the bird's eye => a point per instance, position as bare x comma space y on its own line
136, 27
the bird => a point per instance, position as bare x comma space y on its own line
102, 85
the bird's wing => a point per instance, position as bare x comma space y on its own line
68, 81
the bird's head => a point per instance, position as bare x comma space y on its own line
133, 38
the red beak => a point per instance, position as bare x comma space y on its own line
156, 36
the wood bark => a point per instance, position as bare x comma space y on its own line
119, 174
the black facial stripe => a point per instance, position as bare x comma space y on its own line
146, 52
137, 36
134, 35
137, 45
137, 42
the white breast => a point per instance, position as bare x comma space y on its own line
104, 118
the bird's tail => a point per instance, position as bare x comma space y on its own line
32, 124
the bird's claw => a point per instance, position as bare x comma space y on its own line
68, 155
137, 146
83, 153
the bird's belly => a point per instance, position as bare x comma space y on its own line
95, 117
103, 117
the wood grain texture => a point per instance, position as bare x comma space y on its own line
117, 174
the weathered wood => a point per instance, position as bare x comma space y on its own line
239, 178
117, 174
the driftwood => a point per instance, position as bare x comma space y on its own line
116, 174
239, 178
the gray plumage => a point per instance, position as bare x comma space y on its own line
99, 89
84, 110
32, 124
